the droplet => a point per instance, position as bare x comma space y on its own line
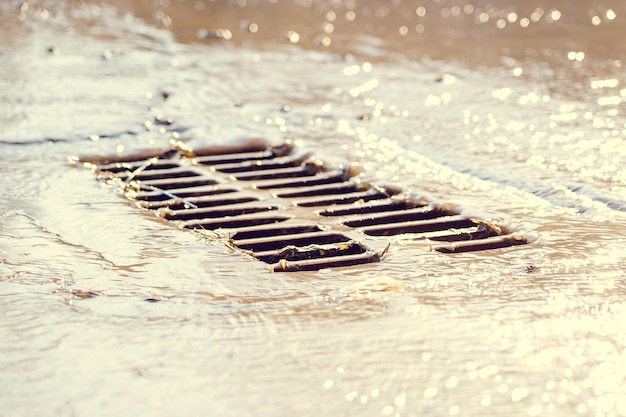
323, 41
292, 36
430, 392
575, 55
610, 14
536, 15
519, 394
225, 34
452, 382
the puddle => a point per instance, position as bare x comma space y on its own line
510, 113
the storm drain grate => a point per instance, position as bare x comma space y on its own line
261, 196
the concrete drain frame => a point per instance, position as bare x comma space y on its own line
288, 209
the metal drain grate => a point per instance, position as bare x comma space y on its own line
259, 195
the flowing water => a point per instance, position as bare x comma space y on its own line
512, 110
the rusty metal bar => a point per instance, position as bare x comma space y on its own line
321, 263
419, 226
244, 220
495, 242
419, 213
300, 239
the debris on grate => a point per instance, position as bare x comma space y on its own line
259, 196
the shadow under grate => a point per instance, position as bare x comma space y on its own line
262, 196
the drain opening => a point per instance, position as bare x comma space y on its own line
212, 212
255, 193
259, 165
264, 231
392, 217
349, 198
308, 181
154, 194
234, 223
214, 200
374, 207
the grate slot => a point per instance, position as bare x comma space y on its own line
481, 231
250, 146
324, 189
419, 226
301, 239
140, 158
307, 170
294, 253
154, 195
120, 167
420, 213
274, 230
178, 183
158, 195
155, 174
319, 179
375, 206
234, 157
321, 263
259, 165
245, 220
347, 198
495, 242
198, 202
211, 213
